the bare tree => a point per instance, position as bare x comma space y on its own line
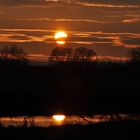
4, 53
61, 54
14, 54
25, 122
134, 55
67, 54
91, 55
84, 54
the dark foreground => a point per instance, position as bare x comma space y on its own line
70, 88
110, 131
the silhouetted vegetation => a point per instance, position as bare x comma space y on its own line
110, 130
61, 54
68, 54
75, 86
28, 122
103, 87
84, 54
25, 122
134, 55
13, 55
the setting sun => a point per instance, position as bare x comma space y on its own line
60, 37
58, 118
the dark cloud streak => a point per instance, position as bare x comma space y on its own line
98, 3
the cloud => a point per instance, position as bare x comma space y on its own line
61, 20
35, 3
39, 41
90, 4
132, 20
132, 41
87, 3
25, 2
75, 37
111, 58
18, 37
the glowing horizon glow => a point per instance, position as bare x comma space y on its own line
58, 118
60, 37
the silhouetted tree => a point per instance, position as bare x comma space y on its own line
31, 121
4, 53
67, 54
91, 55
134, 55
25, 122
61, 54
84, 54
13, 54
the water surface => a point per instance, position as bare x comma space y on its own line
47, 121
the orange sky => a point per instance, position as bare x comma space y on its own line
110, 28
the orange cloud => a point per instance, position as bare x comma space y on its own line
65, 19
20, 38
133, 20
89, 4
111, 58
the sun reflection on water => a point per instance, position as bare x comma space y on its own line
59, 118
44, 121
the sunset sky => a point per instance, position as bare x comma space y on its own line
110, 27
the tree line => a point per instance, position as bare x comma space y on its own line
15, 55
84, 54
68, 54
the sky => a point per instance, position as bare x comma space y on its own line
110, 27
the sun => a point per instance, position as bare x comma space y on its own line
60, 34
60, 37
